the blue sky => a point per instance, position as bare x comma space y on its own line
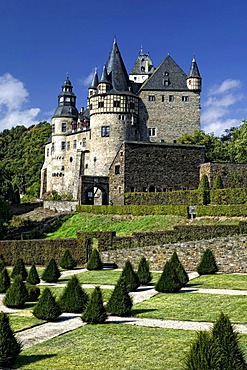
42, 40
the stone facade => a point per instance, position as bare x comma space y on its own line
233, 175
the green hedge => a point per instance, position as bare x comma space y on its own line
229, 196
222, 210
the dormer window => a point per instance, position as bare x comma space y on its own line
166, 82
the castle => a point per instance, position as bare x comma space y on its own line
125, 140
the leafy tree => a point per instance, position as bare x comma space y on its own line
207, 264
67, 261
10, 347
130, 276
217, 184
2, 262
120, 302
33, 293
143, 272
74, 298
95, 312
95, 262
51, 273
181, 273
168, 281
5, 215
19, 269
33, 277
204, 187
47, 308
4, 280
16, 294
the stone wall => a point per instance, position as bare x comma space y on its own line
233, 175
60, 205
230, 253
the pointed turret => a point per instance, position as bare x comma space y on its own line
94, 84
66, 101
104, 83
194, 80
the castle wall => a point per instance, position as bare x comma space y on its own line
233, 175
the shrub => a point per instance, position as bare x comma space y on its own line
47, 308
51, 273
16, 295
33, 293
2, 262
95, 312
4, 280
67, 261
33, 277
181, 273
204, 183
95, 262
120, 302
168, 281
207, 264
217, 184
131, 278
74, 298
143, 272
10, 347
19, 269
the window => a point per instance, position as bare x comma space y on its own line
63, 145
185, 98
52, 147
162, 98
121, 117
68, 145
84, 142
132, 189
151, 98
47, 152
132, 105
74, 144
53, 128
152, 131
171, 98
144, 189
105, 131
117, 169
166, 82
100, 104
62, 168
64, 127
116, 103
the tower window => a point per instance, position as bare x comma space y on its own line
68, 145
116, 103
100, 104
152, 131
185, 98
52, 147
132, 105
151, 98
171, 98
63, 145
121, 117
64, 127
74, 144
105, 131
162, 98
47, 152
142, 69
166, 82
53, 128
117, 169
84, 142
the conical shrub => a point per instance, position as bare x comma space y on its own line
95, 262
95, 312
143, 272
168, 281
33, 277
4, 280
74, 298
2, 262
51, 273
217, 184
10, 347
19, 269
120, 302
67, 262
47, 308
182, 274
33, 293
207, 264
16, 295
130, 276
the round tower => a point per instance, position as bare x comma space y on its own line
194, 80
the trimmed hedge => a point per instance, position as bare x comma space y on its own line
222, 210
229, 196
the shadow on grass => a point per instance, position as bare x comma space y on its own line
137, 312
188, 290
29, 359
193, 285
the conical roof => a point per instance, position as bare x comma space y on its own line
194, 70
104, 77
95, 80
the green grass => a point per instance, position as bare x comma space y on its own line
220, 281
193, 307
18, 322
102, 277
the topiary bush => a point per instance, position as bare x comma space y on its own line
74, 298
95, 312
16, 295
4, 280
95, 262
168, 281
181, 273
130, 276
33, 293
217, 183
2, 262
33, 277
67, 262
19, 269
51, 273
10, 347
143, 272
120, 303
207, 264
47, 308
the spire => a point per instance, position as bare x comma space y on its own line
66, 101
194, 71
95, 80
194, 81
104, 77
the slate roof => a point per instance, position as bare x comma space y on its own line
95, 80
168, 71
194, 70
136, 70
66, 111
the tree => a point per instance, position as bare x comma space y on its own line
168, 281
19, 269
95, 262
16, 295
130, 276
207, 264
33, 293
33, 277
143, 272
181, 273
95, 312
51, 273
217, 184
120, 302
10, 347
2, 262
4, 280
5, 215
74, 298
204, 188
67, 261
47, 308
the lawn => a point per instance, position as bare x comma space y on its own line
19, 322
220, 281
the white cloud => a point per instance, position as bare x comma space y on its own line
86, 80
13, 97
220, 107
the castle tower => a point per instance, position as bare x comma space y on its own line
142, 69
94, 84
194, 81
